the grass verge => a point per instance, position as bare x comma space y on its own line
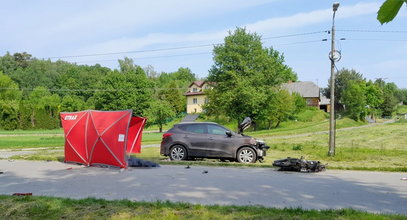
54, 140
377, 148
38, 207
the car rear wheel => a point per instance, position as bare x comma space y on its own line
178, 152
246, 155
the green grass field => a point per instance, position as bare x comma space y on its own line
37, 207
32, 140
380, 147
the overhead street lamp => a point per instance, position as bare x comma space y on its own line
334, 56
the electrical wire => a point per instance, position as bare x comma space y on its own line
373, 31
210, 45
372, 39
175, 48
294, 35
133, 51
189, 54
142, 58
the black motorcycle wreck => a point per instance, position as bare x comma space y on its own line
299, 165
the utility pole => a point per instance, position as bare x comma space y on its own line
333, 56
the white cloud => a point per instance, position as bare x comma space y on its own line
119, 15
313, 17
261, 27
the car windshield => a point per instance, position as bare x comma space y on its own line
217, 130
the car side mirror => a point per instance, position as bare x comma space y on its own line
228, 133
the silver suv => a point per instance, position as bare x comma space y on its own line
210, 140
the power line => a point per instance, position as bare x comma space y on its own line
189, 54
139, 58
174, 48
295, 35
375, 39
373, 31
134, 51
209, 45
302, 42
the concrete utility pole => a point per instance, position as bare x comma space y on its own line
333, 57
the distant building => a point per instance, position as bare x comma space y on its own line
310, 92
196, 96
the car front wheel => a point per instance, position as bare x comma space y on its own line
178, 152
246, 155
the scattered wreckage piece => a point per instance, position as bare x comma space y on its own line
136, 162
299, 165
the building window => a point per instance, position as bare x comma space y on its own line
194, 89
195, 100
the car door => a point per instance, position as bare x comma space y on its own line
196, 138
219, 144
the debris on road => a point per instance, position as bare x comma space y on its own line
205, 171
187, 167
22, 194
136, 162
404, 178
299, 165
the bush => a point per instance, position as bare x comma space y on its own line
298, 147
312, 114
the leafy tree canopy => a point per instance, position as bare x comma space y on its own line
8, 89
244, 72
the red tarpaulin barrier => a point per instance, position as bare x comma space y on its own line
101, 137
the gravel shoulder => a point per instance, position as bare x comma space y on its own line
379, 192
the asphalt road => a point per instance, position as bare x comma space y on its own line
382, 192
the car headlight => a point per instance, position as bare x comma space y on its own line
260, 142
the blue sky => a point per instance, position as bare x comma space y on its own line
52, 29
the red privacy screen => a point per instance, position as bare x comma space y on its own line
101, 137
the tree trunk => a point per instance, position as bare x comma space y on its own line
278, 123
33, 118
161, 128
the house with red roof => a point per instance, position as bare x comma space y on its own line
196, 96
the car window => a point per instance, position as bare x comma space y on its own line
214, 129
194, 128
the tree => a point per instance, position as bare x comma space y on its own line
72, 104
118, 91
159, 113
8, 88
150, 72
22, 59
403, 96
41, 100
374, 99
127, 66
173, 95
183, 77
244, 73
342, 79
354, 100
389, 10
388, 107
281, 107
10, 96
